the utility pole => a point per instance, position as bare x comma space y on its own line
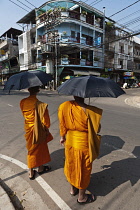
56, 74
103, 47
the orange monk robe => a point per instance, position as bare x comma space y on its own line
74, 124
38, 154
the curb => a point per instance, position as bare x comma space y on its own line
5, 202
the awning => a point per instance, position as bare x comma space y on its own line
86, 72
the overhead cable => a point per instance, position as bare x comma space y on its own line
135, 20
95, 2
30, 3
19, 6
25, 5
129, 15
125, 8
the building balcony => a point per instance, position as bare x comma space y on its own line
53, 16
3, 43
77, 62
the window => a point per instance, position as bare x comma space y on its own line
72, 34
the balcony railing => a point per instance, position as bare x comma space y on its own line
78, 61
54, 15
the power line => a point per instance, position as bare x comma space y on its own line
125, 8
135, 20
30, 3
129, 15
95, 2
24, 4
19, 6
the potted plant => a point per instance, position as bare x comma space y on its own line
83, 15
96, 59
64, 59
83, 56
97, 21
84, 12
63, 9
65, 56
64, 33
64, 12
64, 37
83, 60
49, 11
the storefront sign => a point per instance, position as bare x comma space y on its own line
129, 77
128, 74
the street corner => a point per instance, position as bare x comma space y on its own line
17, 196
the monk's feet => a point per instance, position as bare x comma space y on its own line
32, 174
88, 198
44, 170
74, 191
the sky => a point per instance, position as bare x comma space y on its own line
11, 13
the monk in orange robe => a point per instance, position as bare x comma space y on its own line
37, 122
79, 128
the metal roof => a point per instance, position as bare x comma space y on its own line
12, 31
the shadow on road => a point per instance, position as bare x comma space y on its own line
57, 159
109, 144
115, 174
12, 195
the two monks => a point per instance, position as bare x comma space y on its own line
79, 128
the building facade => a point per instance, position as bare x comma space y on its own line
68, 39
119, 57
9, 54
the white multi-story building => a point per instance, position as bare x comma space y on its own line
67, 38
118, 53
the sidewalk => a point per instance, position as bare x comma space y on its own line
5, 202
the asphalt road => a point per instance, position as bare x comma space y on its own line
115, 175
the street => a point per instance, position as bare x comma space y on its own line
115, 174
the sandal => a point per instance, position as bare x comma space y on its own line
33, 177
45, 170
90, 199
76, 192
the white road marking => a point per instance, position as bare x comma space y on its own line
10, 105
54, 196
134, 104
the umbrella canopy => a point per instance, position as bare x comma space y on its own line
90, 86
27, 79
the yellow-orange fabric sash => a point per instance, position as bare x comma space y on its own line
94, 116
77, 139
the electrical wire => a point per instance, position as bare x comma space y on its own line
95, 2
18, 5
24, 5
129, 15
133, 21
125, 8
30, 3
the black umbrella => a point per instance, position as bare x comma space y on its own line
27, 79
90, 86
